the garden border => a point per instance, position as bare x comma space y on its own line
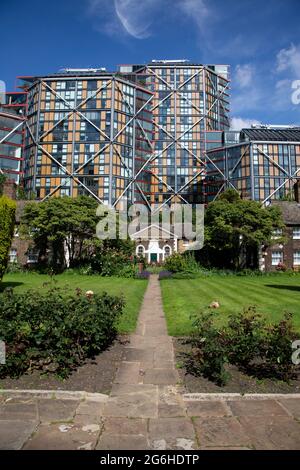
237, 396
54, 394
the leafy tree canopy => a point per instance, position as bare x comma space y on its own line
59, 221
234, 226
67, 225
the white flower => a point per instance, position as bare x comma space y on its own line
89, 294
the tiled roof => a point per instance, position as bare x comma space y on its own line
263, 134
290, 211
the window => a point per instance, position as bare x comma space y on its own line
13, 256
32, 256
277, 257
167, 251
296, 258
277, 233
140, 250
296, 233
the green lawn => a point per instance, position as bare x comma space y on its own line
132, 289
271, 294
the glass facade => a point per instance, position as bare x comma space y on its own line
11, 141
190, 106
88, 135
258, 170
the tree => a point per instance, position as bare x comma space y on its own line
235, 228
59, 226
7, 222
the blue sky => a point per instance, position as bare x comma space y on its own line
260, 40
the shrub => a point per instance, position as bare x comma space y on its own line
175, 263
112, 261
7, 222
55, 330
14, 268
178, 263
279, 348
128, 270
191, 265
247, 341
209, 354
245, 334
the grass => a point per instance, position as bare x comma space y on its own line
132, 289
271, 294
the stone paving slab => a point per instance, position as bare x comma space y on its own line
14, 433
292, 406
19, 410
170, 411
63, 437
256, 408
161, 376
142, 405
223, 431
51, 411
123, 442
208, 409
128, 373
272, 433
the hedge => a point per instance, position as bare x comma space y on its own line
7, 222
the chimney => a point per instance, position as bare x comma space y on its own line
10, 189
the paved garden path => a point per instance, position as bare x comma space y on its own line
147, 408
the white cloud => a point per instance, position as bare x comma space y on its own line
238, 123
248, 90
244, 75
282, 96
197, 10
137, 18
288, 60
132, 17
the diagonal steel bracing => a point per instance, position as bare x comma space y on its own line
177, 140
112, 142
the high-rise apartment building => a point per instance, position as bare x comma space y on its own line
12, 125
88, 132
261, 163
140, 133
190, 103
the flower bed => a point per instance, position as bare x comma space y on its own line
55, 330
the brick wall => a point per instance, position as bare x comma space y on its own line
287, 248
20, 245
9, 189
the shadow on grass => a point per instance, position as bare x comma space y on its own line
284, 287
11, 285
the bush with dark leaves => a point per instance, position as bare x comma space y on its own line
55, 329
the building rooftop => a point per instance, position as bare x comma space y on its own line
290, 211
26, 82
263, 134
69, 73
